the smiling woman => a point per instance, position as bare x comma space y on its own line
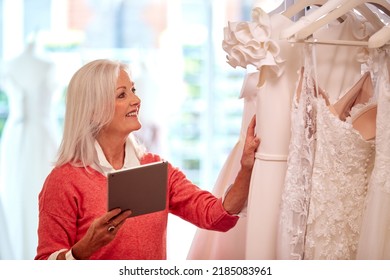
101, 115
124, 121
191, 94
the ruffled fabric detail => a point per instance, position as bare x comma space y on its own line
250, 43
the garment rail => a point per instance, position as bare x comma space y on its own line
333, 42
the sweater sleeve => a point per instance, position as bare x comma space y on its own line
195, 205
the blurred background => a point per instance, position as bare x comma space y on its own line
191, 112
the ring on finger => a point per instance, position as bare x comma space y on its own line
111, 228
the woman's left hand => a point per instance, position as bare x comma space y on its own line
251, 144
238, 193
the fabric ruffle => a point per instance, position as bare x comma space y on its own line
250, 43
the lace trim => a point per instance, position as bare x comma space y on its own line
298, 180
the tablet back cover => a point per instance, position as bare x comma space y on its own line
142, 189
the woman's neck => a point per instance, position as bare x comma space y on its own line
114, 150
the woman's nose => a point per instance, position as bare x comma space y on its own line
134, 99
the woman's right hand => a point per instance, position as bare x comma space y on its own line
101, 232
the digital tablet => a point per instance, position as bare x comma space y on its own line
142, 189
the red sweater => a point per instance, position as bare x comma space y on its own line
72, 197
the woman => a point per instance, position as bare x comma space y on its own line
101, 112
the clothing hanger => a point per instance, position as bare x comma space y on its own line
299, 6
346, 6
380, 38
326, 7
372, 17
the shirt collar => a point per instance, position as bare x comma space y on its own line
102, 165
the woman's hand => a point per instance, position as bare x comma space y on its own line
101, 232
238, 194
251, 144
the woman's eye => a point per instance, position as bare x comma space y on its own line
133, 90
122, 95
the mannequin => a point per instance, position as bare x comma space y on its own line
29, 143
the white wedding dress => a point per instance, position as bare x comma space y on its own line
29, 144
273, 111
374, 242
341, 169
297, 187
213, 245
340, 65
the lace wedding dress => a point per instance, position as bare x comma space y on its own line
342, 166
296, 192
340, 66
374, 242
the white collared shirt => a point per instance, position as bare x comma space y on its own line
103, 166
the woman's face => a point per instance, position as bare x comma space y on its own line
127, 106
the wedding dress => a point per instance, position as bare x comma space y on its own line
29, 144
277, 79
342, 166
340, 65
297, 187
374, 242
247, 44
213, 245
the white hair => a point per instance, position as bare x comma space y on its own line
90, 105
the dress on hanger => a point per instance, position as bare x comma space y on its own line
342, 165
273, 107
277, 76
297, 186
213, 245
337, 67
29, 144
274, 126
374, 242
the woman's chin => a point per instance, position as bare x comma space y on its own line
136, 127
